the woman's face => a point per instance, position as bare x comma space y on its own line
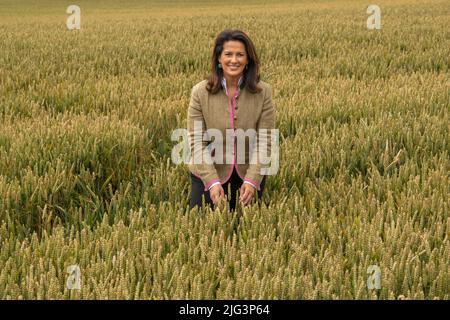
233, 58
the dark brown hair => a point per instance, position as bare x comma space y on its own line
251, 74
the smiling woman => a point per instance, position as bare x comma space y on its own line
214, 105
234, 55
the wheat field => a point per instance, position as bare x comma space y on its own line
86, 177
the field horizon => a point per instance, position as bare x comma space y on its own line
86, 177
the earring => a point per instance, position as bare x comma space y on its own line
246, 66
220, 66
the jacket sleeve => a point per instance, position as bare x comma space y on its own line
263, 138
200, 163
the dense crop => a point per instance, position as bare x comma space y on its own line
86, 178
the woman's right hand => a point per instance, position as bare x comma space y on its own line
216, 193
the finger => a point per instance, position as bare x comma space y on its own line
216, 197
248, 200
243, 192
245, 196
249, 196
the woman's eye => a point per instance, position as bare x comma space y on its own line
239, 54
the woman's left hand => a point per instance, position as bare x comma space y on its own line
247, 193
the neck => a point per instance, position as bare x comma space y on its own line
232, 81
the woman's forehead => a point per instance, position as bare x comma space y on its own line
233, 46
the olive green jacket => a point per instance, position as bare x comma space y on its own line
244, 110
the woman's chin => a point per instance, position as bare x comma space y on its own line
233, 73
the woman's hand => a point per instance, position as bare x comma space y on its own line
216, 193
247, 193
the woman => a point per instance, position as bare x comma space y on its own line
232, 98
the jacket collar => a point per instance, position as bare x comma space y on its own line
224, 83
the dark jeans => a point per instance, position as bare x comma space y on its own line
234, 183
